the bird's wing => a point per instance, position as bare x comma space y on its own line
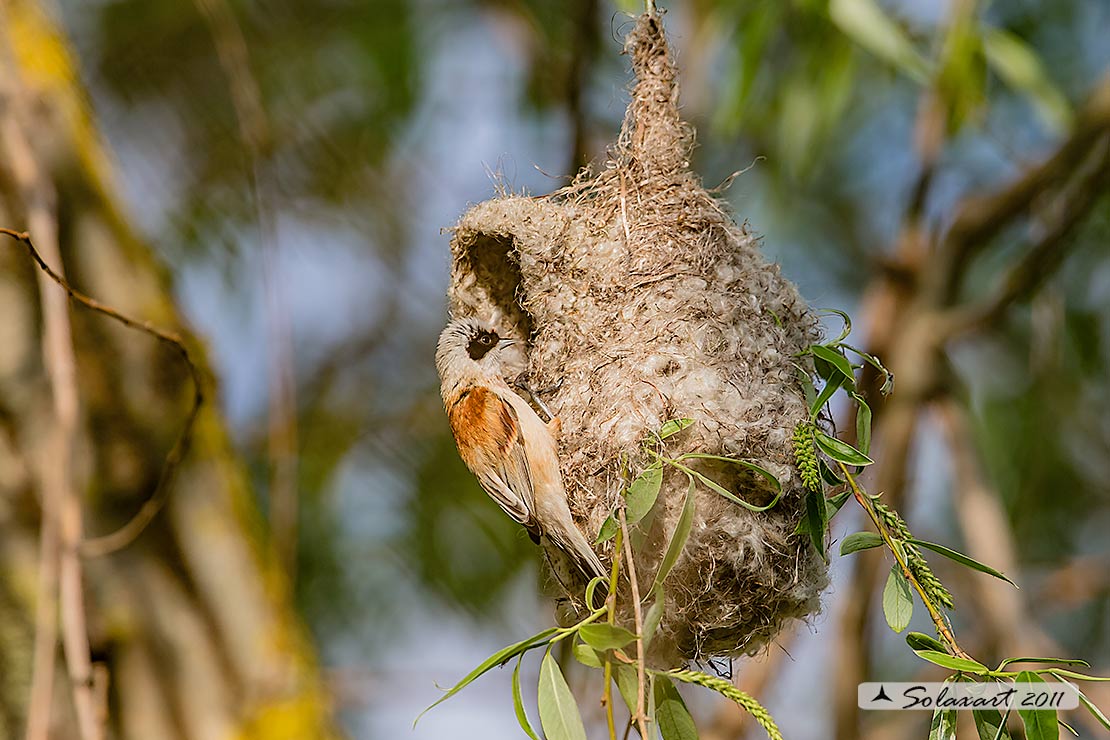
487, 432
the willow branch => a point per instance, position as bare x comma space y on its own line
126, 534
935, 614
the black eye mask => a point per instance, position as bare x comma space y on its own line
480, 345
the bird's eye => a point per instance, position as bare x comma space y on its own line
486, 339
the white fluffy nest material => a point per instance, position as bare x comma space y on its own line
636, 289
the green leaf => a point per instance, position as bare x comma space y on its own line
962, 559
603, 636
1090, 706
628, 683
1019, 66
559, 715
678, 537
1040, 724
717, 488
840, 451
831, 387
943, 726
673, 427
860, 541
897, 600
837, 362
518, 702
671, 714
847, 324
763, 472
1058, 661
990, 724
921, 641
836, 503
1060, 672
654, 616
499, 658
832, 506
888, 377
592, 587
608, 530
642, 493
865, 22
863, 424
951, 662
816, 520
586, 655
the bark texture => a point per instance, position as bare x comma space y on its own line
193, 621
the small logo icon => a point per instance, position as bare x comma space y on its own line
881, 696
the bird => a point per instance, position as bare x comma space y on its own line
503, 442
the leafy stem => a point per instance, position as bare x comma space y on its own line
563, 633
611, 604
640, 716
939, 621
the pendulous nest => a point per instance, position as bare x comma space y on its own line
636, 289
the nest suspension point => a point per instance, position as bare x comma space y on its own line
636, 289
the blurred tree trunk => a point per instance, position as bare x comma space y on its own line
193, 620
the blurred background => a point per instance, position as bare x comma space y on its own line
273, 180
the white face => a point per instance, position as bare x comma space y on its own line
468, 350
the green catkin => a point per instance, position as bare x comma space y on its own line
916, 562
892, 520
805, 456
928, 580
726, 689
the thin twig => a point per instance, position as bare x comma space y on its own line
61, 505
125, 535
611, 604
641, 675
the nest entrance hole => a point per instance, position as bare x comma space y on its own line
493, 262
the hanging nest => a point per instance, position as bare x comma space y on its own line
636, 290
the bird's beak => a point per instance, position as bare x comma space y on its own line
507, 342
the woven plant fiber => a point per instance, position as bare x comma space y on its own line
636, 289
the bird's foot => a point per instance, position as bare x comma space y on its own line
534, 393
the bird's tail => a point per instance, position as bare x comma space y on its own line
579, 550
588, 561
